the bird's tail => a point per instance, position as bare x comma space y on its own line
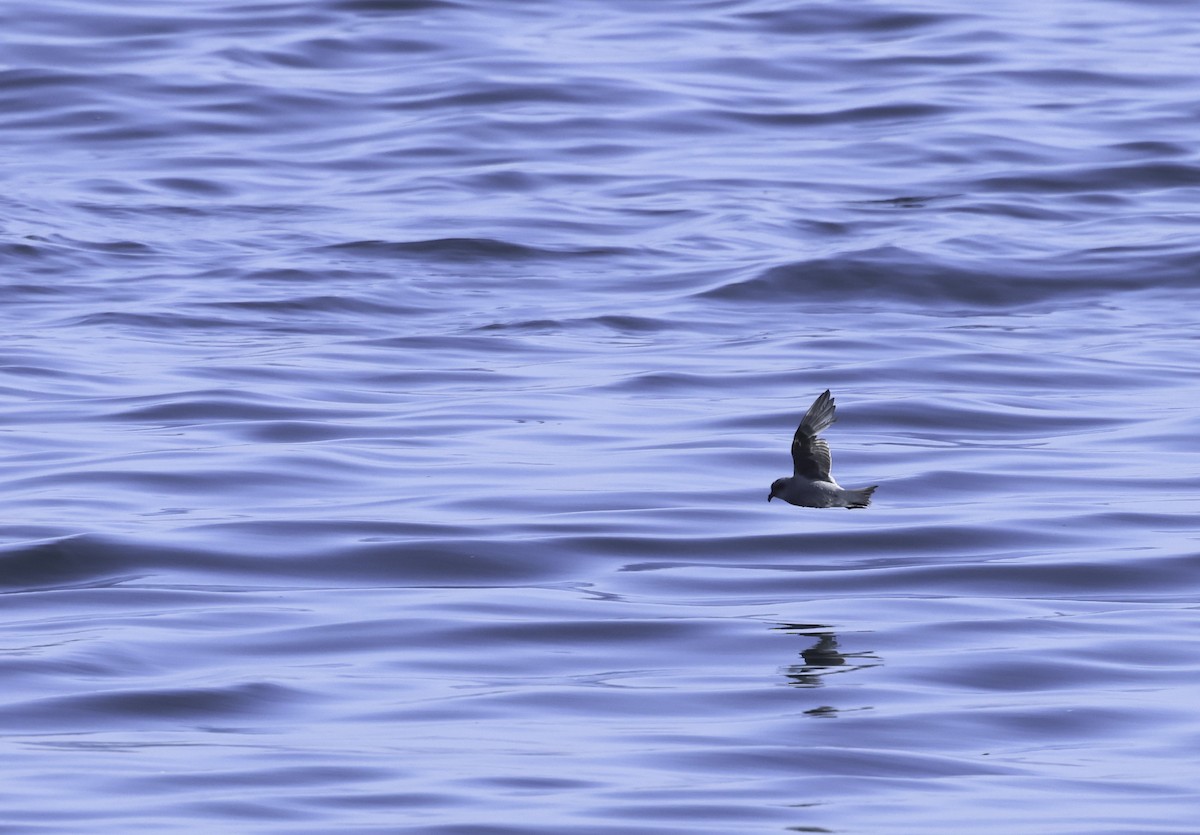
860, 498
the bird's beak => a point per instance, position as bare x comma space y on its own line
771, 496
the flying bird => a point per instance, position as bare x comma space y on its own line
811, 484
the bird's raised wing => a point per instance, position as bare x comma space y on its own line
810, 453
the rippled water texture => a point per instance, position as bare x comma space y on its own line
392, 390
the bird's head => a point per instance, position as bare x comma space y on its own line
777, 488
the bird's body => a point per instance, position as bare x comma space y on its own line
811, 483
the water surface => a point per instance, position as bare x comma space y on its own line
392, 390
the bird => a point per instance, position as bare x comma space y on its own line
811, 483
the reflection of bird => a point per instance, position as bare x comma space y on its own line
824, 653
818, 659
811, 484
822, 659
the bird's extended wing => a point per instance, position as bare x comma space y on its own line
810, 453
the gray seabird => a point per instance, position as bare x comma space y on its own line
811, 484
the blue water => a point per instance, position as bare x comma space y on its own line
391, 391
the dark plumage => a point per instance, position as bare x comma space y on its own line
812, 484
